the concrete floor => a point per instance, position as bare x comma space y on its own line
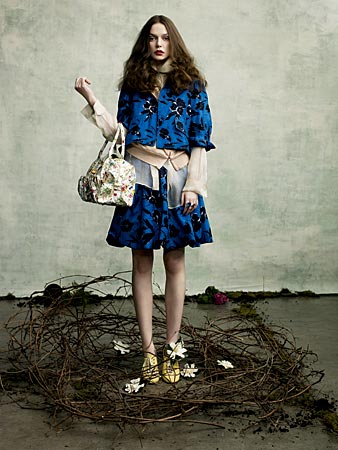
313, 321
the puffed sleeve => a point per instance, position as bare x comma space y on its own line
201, 123
124, 108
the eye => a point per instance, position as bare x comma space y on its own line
151, 37
166, 38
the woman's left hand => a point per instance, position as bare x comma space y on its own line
190, 201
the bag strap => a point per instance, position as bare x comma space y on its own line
102, 149
115, 149
118, 149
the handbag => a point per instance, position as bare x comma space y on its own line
110, 180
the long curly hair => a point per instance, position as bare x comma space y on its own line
139, 75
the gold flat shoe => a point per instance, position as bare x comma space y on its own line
150, 372
170, 370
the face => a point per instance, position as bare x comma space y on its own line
159, 44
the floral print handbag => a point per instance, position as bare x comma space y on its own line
110, 180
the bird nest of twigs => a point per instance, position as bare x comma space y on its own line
68, 352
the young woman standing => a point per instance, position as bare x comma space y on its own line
164, 108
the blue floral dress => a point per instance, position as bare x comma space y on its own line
156, 218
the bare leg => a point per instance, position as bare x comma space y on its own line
174, 263
143, 295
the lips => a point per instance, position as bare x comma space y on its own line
159, 52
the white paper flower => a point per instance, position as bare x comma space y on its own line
189, 371
134, 386
121, 347
176, 350
225, 364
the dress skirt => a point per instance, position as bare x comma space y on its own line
150, 224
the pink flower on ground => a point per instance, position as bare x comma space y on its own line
220, 298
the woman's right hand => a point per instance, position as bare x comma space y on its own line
82, 87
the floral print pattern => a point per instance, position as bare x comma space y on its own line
174, 121
150, 224
110, 180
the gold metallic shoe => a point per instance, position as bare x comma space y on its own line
150, 372
170, 369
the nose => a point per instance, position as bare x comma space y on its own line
159, 42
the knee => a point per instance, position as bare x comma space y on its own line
174, 261
142, 261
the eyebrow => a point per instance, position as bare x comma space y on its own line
156, 35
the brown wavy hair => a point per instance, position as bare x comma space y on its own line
139, 75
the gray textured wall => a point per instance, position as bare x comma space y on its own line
272, 72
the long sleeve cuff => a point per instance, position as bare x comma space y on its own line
101, 118
197, 172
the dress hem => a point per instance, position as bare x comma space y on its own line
157, 247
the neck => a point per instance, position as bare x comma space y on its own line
162, 66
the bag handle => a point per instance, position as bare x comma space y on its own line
114, 146
116, 149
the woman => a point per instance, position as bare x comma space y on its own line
164, 108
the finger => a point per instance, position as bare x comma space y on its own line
192, 207
189, 201
183, 203
187, 208
82, 81
79, 83
182, 198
